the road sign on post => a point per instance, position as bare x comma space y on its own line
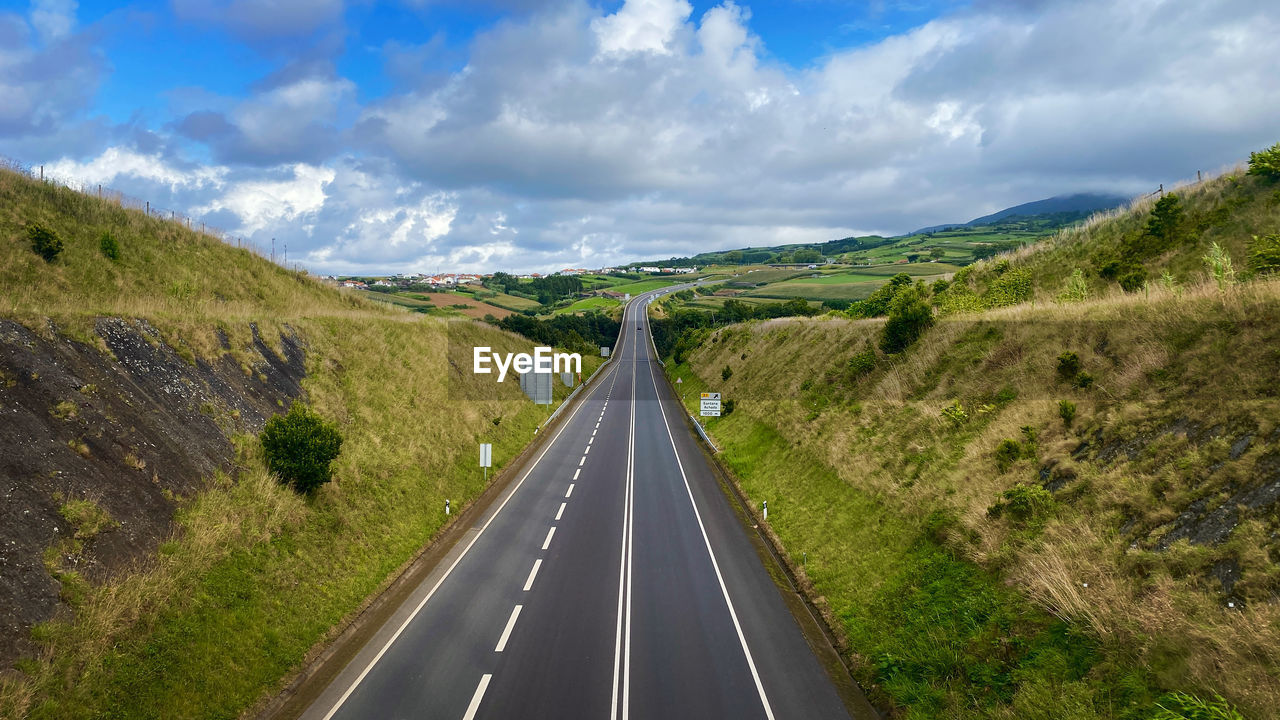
486, 458
710, 405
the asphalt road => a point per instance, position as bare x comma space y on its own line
613, 580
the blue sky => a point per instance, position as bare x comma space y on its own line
538, 134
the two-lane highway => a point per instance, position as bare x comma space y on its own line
612, 580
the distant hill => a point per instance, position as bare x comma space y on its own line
978, 238
1075, 207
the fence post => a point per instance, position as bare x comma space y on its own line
1198, 178
41, 173
1161, 189
148, 208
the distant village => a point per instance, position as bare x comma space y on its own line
451, 280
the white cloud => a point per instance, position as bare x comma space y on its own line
120, 163
642, 26
259, 203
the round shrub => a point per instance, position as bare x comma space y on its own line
1133, 280
44, 242
909, 317
109, 246
299, 446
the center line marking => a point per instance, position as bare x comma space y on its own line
575, 473
560, 511
533, 573
511, 623
591, 440
569, 491
584, 459
588, 450
475, 699
547, 543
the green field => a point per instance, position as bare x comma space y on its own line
635, 288
585, 304
503, 300
844, 284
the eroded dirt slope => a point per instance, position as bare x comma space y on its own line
130, 429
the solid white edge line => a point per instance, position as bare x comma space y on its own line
560, 511
550, 533
569, 493
506, 632
755, 674
478, 696
533, 573
338, 705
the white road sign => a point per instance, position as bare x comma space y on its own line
486, 455
710, 405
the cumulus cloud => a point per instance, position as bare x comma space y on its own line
578, 136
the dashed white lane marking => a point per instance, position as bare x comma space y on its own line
583, 460
547, 543
511, 623
475, 699
533, 573
591, 440
560, 511
569, 492
597, 426
587, 451
575, 473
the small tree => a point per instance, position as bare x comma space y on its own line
726, 373
44, 242
109, 246
1264, 254
299, 447
909, 317
1165, 217
1266, 162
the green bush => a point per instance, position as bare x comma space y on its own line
1265, 162
1083, 380
1068, 365
1022, 503
909, 317
1007, 452
299, 447
1264, 254
728, 408
726, 373
1134, 280
44, 242
109, 246
955, 413
862, 363
1067, 411
1011, 288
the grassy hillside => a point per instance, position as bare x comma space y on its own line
1052, 510
253, 575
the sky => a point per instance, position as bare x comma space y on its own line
534, 135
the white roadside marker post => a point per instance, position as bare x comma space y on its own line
766, 509
446, 506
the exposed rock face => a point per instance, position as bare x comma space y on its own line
129, 431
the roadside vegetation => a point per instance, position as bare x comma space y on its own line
252, 575
1059, 498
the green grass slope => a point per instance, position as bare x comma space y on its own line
253, 575
994, 534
